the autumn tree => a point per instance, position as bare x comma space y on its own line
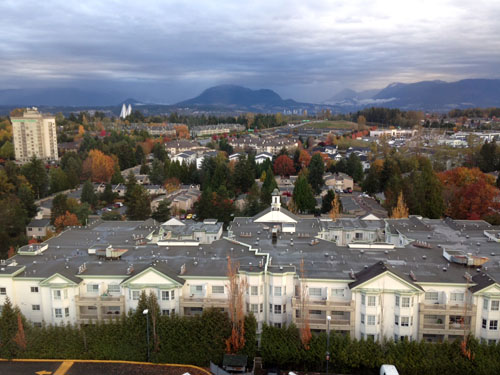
66, 220
401, 210
304, 158
468, 193
181, 131
283, 166
336, 208
236, 298
98, 166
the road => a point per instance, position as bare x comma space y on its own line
69, 367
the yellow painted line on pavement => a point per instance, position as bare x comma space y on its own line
65, 366
105, 361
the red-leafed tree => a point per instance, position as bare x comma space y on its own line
283, 166
304, 158
469, 194
66, 220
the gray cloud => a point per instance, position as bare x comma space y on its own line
169, 51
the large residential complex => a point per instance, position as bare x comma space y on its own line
34, 135
412, 278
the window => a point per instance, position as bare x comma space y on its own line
485, 304
362, 318
363, 299
65, 292
397, 301
3, 291
58, 313
34, 289
405, 321
457, 297
197, 289
405, 301
484, 323
284, 309
172, 311
271, 308
218, 289
372, 301
254, 308
277, 309
113, 288
57, 294
135, 295
261, 308
35, 307
37, 324
172, 296
370, 320
315, 292
396, 320
254, 290
337, 292
277, 291
261, 290
277, 325
165, 312
493, 325
66, 312
165, 295
494, 305
93, 288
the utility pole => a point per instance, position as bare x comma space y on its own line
146, 312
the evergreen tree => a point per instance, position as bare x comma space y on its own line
107, 195
316, 170
252, 205
159, 152
162, 213
326, 203
144, 168
139, 155
157, 174
130, 184
303, 196
27, 199
58, 180
354, 167
8, 329
139, 203
35, 173
117, 177
88, 194
59, 207
268, 187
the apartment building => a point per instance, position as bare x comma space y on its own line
34, 135
414, 278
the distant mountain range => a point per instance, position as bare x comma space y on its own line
238, 97
425, 95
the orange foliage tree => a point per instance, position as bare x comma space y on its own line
304, 158
98, 166
66, 220
468, 193
236, 289
283, 166
182, 131
401, 210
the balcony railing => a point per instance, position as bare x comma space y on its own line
434, 326
95, 299
441, 306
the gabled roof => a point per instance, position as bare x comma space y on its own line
161, 269
67, 278
281, 216
483, 281
379, 269
173, 221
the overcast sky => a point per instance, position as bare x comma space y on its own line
307, 50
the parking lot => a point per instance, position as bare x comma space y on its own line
68, 367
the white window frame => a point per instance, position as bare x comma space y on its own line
396, 320
495, 305
457, 297
362, 318
396, 301
486, 303
405, 321
405, 302
114, 288
315, 292
217, 289
34, 289
277, 291
338, 292
56, 293
35, 307
494, 325
372, 301
165, 295
370, 320
136, 294
254, 290
58, 313
277, 309
92, 288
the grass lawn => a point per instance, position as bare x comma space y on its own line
332, 125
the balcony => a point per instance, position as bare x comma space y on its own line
443, 308
196, 301
99, 300
324, 304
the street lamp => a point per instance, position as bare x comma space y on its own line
146, 312
328, 318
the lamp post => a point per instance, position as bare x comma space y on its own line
328, 318
146, 312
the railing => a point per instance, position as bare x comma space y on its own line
322, 302
434, 326
99, 299
442, 306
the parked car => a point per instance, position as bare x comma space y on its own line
388, 370
189, 216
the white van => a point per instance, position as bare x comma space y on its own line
388, 370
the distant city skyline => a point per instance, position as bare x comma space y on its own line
166, 52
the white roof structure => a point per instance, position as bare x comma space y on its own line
275, 214
173, 221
